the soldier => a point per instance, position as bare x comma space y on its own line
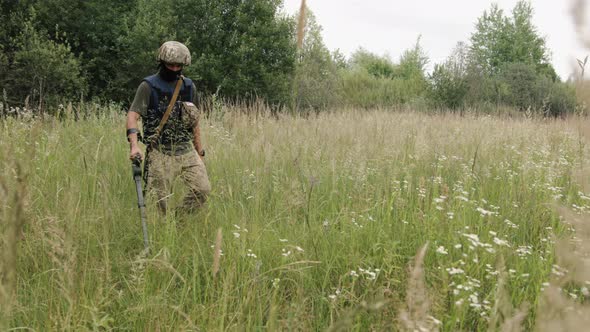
177, 150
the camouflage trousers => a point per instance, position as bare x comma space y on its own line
164, 170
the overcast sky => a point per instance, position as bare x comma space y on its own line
390, 27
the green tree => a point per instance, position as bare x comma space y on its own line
43, 70
561, 99
244, 48
411, 69
339, 59
378, 66
151, 23
448, 81
93, 28
521, 86
375, 81
509, 64
499, 39
13, 15
518, 86
33, 65
240, 48
527, 45
317, 72
413, 62
490, 43
3, 62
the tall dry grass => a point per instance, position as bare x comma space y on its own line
416, 315
13, 195
320, 216
562, 305
560, 309
217, 253
579, 20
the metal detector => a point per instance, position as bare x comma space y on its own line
137, 177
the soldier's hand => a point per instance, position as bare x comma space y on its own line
135, 150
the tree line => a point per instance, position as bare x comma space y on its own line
505, 63
52, 51
63, 49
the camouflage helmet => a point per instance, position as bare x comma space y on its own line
174, 52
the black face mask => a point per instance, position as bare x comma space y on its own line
169, 75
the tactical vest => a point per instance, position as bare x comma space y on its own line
177, 134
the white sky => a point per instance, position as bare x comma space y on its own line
390, 26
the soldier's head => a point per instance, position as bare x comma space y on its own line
173, 56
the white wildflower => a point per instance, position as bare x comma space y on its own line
453, 271
251, 254
483, 212
462, 198
501, 242
523, 251
440, 199
275, 282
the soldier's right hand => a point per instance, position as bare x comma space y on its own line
135, 151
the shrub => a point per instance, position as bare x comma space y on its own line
447, 87
362, 89
520, 86
316, 77
412, 63
377, 66
562, 99
44, 70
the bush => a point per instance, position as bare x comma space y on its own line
447, 88
412, 63
3, 64
375, 81
519, 86
376, 66
562, 99
316, 85
316, 77
361, 89
43, 70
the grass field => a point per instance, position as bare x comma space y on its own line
320, 218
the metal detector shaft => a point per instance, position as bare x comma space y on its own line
136, 166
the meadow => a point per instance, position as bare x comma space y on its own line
343, 221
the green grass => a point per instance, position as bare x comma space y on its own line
304, 205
